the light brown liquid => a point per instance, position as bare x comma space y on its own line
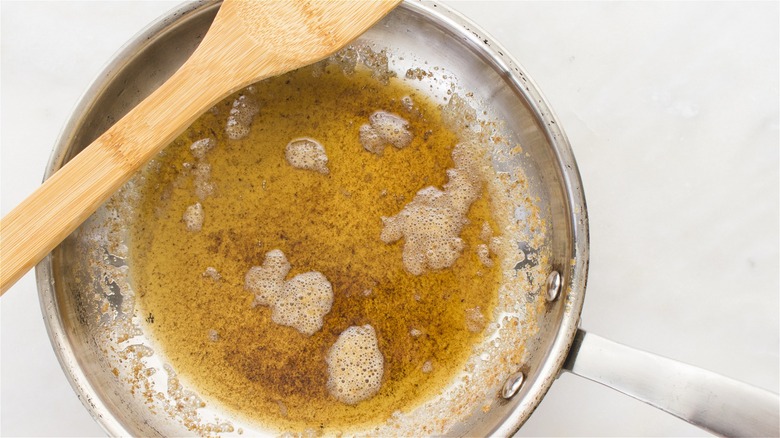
327, 223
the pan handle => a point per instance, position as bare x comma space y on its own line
718, 404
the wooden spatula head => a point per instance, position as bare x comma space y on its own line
259, 39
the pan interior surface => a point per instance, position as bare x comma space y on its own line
88, 292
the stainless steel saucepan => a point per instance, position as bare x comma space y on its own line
69, 287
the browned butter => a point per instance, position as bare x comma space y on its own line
205, 325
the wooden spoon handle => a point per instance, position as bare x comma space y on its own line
64, 201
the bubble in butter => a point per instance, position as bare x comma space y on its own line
307, 153
301, 302
355, 365
385, 128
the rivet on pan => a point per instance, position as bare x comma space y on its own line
553, 285
512, 385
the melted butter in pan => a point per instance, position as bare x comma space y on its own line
255, 202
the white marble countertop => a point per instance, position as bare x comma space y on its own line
672, 110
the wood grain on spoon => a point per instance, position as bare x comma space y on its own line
248, 41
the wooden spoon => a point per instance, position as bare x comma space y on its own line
248, 41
